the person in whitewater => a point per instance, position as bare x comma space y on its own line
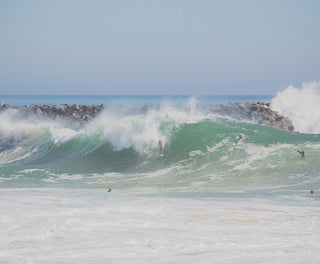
300, 152
160, 147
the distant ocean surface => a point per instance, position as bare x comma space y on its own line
103, 194
128, 99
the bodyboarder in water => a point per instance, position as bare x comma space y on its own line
160, 147
301, 152
240, 138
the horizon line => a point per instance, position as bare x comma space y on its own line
195, 95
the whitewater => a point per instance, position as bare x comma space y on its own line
225, 191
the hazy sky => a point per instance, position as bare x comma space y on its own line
157, 47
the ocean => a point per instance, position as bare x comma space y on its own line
102, 193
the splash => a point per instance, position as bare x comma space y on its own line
142, 131
301, 105
18, 126
29, 138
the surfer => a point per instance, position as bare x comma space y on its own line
240, 138
300, 152
311, 193
160, 147
109, 190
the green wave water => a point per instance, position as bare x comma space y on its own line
121, 151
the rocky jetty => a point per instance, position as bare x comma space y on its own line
257, 112
80, 114
77, 114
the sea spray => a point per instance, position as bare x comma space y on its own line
143, 129
301, 105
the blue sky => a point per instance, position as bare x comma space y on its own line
157, 47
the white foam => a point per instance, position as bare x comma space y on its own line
31, 170
125, 130
14, 125
30, 134
259, 153
301, 105
93, 226
196, 153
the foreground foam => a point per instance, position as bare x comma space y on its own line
92, 226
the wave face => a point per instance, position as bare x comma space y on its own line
119, 149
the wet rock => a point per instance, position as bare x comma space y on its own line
77, 114
257, 112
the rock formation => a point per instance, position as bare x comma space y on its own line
77, 114
257, 112
81, 114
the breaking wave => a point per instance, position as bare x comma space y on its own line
119, 149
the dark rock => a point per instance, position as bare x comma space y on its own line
77, 114
256, 112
